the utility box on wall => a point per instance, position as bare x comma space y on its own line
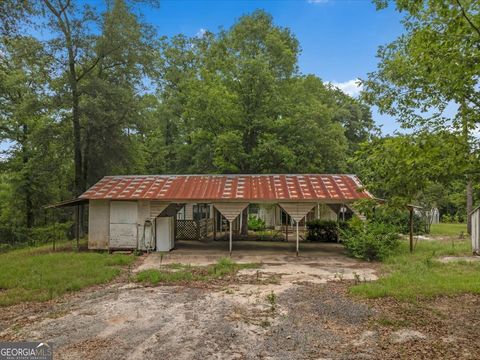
165, 233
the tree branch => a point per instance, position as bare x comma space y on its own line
464, 14
90, 68
95, 62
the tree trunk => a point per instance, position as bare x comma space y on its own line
468, 154
411, 229
469, 205
29, 217
63, 22
77, 137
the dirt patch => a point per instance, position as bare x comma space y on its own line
447, 259
447, 322
280, 311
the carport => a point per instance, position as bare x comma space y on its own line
125, 211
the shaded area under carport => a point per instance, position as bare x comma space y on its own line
203, 253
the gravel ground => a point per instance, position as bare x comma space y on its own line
238, 318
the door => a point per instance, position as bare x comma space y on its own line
123, 225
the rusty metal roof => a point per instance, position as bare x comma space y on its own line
252, 188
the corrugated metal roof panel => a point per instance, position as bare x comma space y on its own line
252, 188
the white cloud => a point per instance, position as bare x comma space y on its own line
317, 1
201, 32
350, 87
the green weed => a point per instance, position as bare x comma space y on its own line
38, 275
421, 275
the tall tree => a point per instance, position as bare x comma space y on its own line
433, 65
112, 93
34, 161
125, 45
235, 102
414, 168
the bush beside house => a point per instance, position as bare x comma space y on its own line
323, 230
370, 240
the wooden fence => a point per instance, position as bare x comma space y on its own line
194, 229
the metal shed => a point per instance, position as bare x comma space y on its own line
131, 211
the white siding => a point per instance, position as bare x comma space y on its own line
266, 212
156, 208
143, 214
189, 211
476, 231
98, 224
324, 212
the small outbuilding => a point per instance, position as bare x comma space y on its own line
149, 212
475, 217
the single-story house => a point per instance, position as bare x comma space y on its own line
149, 212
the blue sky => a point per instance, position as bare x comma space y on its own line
339, 38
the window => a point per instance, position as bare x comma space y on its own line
286, 219
201, 211
181, 213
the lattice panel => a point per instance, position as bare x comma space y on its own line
187, 230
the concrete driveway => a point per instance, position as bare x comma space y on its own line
317, 262
204, 253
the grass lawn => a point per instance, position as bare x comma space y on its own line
37, 274
448, 229
178, 272
421, 275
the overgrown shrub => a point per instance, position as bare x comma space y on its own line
39, 235
323, 230
49, 233
455, 218
5, 247
397, 216
255, 223
401, 220
369, 240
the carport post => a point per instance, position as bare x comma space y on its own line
297, 235
77, 226
230, 238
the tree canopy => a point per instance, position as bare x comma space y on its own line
431, 67
104, 94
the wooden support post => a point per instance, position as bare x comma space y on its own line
53, 242
411, 228
174, 230
77, 226
297, 236
214, 224
286, 230
318, 211
275, 217
230, 239
241, 224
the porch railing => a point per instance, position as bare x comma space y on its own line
194, 229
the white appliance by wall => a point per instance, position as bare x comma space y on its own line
164, 232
